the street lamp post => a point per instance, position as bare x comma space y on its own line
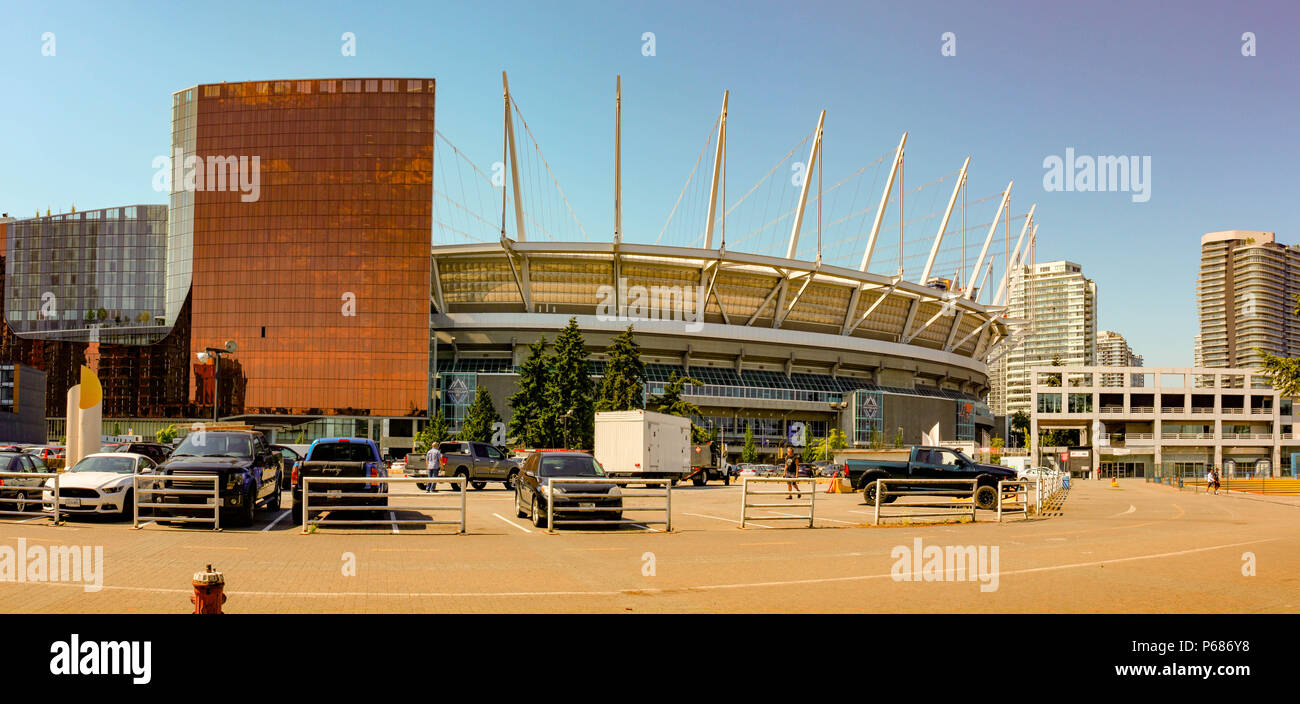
214, 353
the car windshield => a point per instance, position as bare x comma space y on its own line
340, 452
570, 466
116, 465
201, 444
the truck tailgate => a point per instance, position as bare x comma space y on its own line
332, 469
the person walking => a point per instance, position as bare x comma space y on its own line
791, 472
1214, 479
433, 458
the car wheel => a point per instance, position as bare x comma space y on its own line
519, 505
128, 506
274, 502
511, 479
986, 497
295, 512
726, 480
478, 485
700, 478
869, 493
244, 517
464, 475
539, 518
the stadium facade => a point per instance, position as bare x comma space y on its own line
319, 264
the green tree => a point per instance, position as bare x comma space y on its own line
480, 419
166, 435
749, 453
570, 393
528, 403
622, 388
434, 432
826, 447
898, 438
1284, 372
996, 446
1020, 428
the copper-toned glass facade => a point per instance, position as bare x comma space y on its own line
321, 273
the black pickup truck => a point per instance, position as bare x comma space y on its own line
249, 473
340, 457
929, 463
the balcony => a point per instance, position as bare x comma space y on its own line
1261, 411
1203, 410
1247, 436
1187, 436
1112, 409
1173, 409
1142, 409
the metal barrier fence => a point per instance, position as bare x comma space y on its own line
1277, 486
746, 492
1013, 497
955, 489
665, 490
22, 490
211, 498
1047, 489
387, 507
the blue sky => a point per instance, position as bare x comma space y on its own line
1165, 80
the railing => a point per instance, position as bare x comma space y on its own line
1173, 409
746, 492
1204, 410
1247, 436
211, 498
1186, 436
382, 502
1261, 411
1142, 409
958, 492
21, 492
665, 490
1046, 487
1013, 497
1111, 409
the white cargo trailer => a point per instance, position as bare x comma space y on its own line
643, 444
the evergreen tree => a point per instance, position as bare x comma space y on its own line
528, 404
480, 419
433, 433
672, 403
623, 386
749, 453
569, 416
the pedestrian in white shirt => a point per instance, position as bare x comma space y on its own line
433, 458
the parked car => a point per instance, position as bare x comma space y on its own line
249, 473
47, 452
155, 451
102, 482
340, 457
532, 497
289, 458
21, 493
929, 463
478, 462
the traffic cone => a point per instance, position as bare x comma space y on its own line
1114, 482
834, 486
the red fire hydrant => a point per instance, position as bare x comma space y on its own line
208, 588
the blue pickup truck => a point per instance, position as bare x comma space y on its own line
341, 457
929, 463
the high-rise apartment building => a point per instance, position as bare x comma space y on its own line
1246, 296
1060, 305
1114, 351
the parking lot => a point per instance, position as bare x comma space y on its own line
1138, 547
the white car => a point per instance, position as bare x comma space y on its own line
398, 466
100, 483
1032, 473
